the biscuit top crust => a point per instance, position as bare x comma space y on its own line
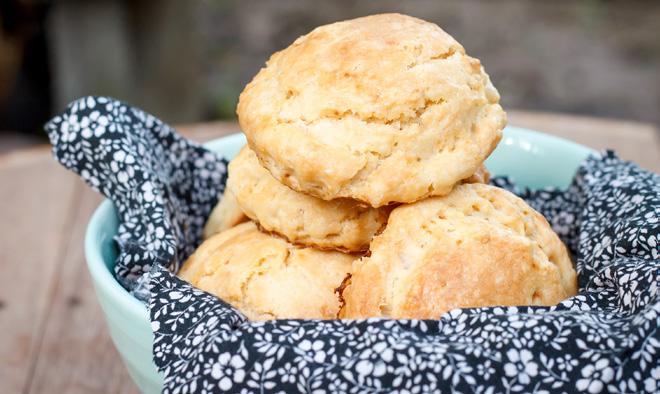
385, 108
478, 246
266, 277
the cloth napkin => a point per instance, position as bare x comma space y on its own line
606, 338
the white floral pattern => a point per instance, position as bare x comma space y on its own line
604, 339
163, 185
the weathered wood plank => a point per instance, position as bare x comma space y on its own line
36, 202
77, 355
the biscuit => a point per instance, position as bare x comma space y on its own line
478, 246
381, 109
225, 215
266, 277
341, 224
482, 175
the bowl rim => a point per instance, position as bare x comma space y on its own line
103, 276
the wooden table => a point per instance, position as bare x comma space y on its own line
53, 337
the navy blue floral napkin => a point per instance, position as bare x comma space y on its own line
606, 338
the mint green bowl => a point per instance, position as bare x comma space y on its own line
532, 159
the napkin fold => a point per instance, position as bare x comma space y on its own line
606, 338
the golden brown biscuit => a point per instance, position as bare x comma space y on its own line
481, 176
341, 224
385, 108
266, 277
225, 215
478, 246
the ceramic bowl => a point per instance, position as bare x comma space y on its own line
531, 158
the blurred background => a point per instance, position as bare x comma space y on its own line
187, 61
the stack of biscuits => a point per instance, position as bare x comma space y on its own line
362, 191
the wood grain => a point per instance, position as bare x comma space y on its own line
54, 337
37, 201
77, 355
